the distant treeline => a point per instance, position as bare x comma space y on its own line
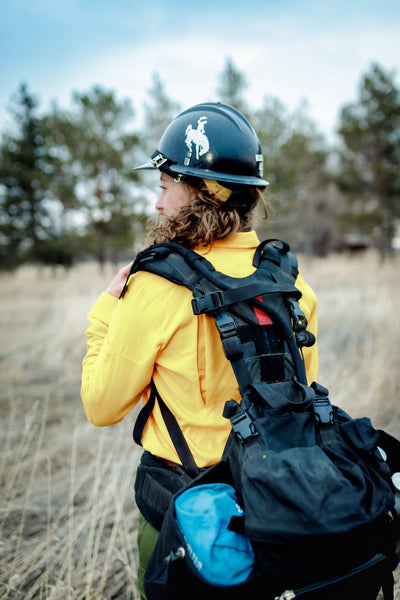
68, 192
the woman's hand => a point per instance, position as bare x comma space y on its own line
116, 285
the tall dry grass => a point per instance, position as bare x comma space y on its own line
359, 333
67, 514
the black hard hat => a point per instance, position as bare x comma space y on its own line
211, 141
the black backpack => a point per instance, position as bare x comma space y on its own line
315, 485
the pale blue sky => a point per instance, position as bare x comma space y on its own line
292, 49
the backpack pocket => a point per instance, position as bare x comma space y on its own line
196, 552
313, 515
300, 492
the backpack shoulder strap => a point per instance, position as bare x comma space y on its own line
277, 252
172, 426
173, 262
179, 265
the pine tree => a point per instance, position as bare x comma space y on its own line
370, 156
98, 145
295, 159
29, 202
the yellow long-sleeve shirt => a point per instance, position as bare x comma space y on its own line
152, 333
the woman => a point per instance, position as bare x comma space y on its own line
210, 161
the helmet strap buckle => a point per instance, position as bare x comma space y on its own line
158, 160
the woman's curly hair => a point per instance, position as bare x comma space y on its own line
205, 218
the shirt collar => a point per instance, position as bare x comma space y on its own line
245, 239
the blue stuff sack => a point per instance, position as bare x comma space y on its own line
221, 556
225, 556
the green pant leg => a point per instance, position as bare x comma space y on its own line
146, 540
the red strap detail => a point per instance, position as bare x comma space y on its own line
262, 317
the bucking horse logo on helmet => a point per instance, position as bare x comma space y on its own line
198, 138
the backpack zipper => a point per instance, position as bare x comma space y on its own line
291, 594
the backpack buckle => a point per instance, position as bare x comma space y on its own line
229, 335
208, 303
299, 319
323, 411
243, 426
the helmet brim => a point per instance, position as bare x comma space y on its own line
207, 174
248, 180
146, 166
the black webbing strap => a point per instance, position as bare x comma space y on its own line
233, 348
204, 302
173, 429
143, 416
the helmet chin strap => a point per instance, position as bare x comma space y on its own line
178, 178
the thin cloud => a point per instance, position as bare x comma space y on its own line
294, 50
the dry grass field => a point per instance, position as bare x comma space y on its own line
67, 514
